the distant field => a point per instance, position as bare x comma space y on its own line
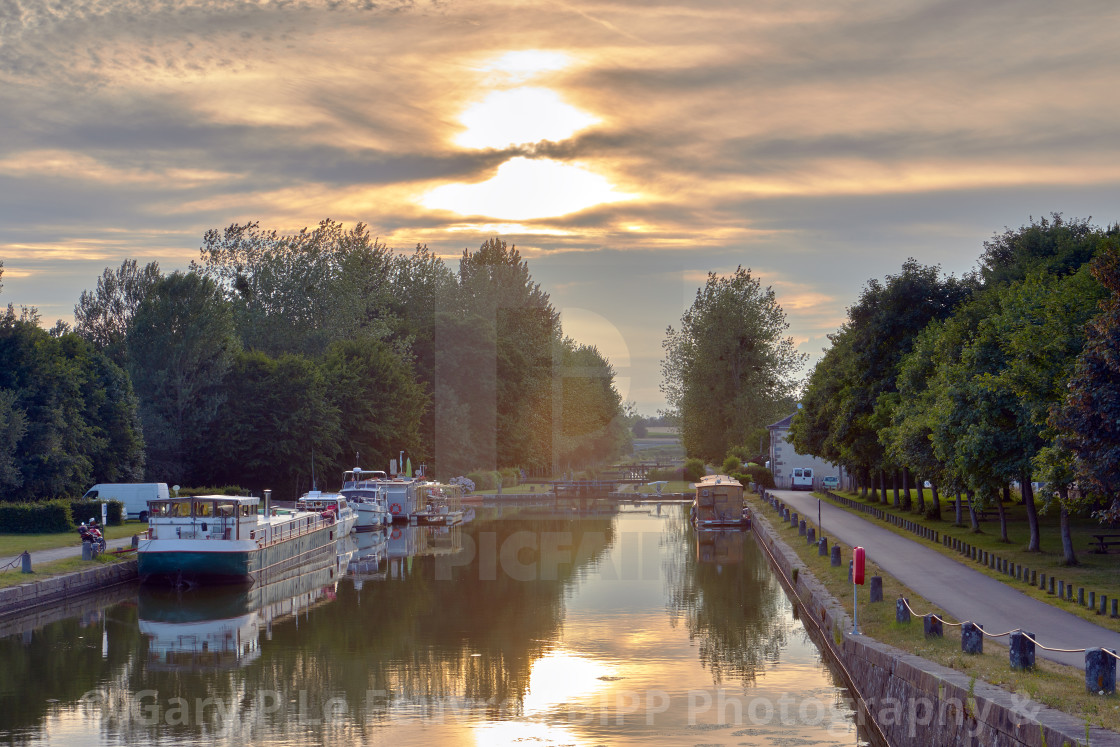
659, 431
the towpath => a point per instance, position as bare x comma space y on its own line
960, 592
52, 554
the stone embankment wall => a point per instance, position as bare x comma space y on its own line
913, 700
28, 596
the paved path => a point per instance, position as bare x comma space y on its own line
59, 553
961, 592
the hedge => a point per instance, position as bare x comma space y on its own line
756, 474
82, 510
45, 517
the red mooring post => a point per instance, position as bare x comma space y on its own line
858, 564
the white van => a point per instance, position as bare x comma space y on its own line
134, 496
802, 478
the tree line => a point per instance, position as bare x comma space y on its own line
274, 355
1007, 376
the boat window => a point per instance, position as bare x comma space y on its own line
225, 509
248, 509
159, 509
203, 508
181, 508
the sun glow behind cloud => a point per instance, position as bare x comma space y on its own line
519, 116
527, 189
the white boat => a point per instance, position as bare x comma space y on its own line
376, 488
363, 489
324, 503
227, 539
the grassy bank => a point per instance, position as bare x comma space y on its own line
14, 544
1051, 684
42, 571
1099, 572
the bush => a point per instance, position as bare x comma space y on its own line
511, 477
756, 474
46, 517
82, 510
743, 453
484, 479
694, 469
731, 465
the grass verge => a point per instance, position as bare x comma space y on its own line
43, 571
1054, 685
14, 544
1099, 572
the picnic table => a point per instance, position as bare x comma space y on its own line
1105, 541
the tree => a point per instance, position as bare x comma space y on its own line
729, 368
378, 399
299, 293
104, 316
277, 426
1089, 419
497, 293
179, 350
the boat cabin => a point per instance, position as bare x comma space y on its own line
203, 517
719, 498
316, 500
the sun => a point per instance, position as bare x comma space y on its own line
527, 189
521, 116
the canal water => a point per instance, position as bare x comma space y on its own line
542, 625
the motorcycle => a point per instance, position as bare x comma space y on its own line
90, 533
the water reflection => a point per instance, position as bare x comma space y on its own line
580, 623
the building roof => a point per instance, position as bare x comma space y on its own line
784, 422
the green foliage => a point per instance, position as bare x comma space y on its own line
756, 474
1089, 419
693, 469
68, 416
485, 479
180, 348
104, 316
220, 490
729, 368
511, 477
82, 510
731, 465
35, 518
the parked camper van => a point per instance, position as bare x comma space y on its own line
134, 496
802, 478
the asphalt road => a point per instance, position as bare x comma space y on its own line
961, 592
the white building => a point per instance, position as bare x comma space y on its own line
783, 458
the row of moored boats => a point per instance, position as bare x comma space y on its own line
236, 539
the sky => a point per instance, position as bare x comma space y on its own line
626, 148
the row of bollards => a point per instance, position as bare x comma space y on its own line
1049, 584
1100, 663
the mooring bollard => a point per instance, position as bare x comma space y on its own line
822, 547
1061, 588
1069, 592
1104, 604
850, 569
972, 638
836, 556
876, 592
901, 610
87, 551
793, 519
810, 536
1022, 650
801, 528
1080, 596
1092, 600
1114, 610
931, 624
1100, 671
26, 558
